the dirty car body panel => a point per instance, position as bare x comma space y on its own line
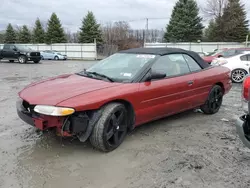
151, 82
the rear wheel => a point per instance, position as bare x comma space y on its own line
56, 58
22, 59
214, 100
238, 75
111, 129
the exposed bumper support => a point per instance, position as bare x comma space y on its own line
80, 124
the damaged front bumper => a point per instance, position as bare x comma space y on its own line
79, 124
243, 129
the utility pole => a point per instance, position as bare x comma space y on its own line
146, 29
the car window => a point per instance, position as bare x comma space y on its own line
12, 47
172, 65
245, 57
6, 47
193, 65
228, 53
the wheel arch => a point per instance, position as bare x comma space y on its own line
129, 107
221, 85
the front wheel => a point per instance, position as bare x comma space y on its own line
214, 100
238, 75
56, 58
111, 129
22, 59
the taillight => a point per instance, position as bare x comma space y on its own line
246, 88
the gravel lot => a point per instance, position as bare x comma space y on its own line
186, 150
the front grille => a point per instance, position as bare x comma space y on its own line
35, 54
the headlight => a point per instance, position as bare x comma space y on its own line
28, 54
53, 110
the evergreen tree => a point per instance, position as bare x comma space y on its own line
1, 37
185, 23
10, 35
235, 28
55, 32
38, 33
25, 35
211, 31
90, 30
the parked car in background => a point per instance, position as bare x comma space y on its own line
53, 54
19, 52
238, 64
225, 52
243, 122
123, 91
202, 54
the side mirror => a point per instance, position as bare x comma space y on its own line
14, 49
155, 75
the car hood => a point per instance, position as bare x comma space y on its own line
55, 90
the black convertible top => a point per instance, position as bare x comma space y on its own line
165, 51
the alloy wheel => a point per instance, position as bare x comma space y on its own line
216, 99
116, 128
238, 75
21, 59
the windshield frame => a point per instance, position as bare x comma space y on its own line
137, 77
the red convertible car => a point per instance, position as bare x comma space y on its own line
125, 90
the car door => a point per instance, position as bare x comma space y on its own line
48, 54
245, 62
167, 96
8, 52
202, 83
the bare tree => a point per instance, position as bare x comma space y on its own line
214, 8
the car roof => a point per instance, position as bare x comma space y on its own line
155, 51
166, 51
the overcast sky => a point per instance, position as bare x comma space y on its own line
71, 12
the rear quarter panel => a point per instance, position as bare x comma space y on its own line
206, 79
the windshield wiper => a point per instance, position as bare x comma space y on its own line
101, 75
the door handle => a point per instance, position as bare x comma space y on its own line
190, 82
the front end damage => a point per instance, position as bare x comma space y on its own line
79, 124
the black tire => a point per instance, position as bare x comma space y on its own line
56, 58
111, 129
36, 61
214, 100
22, 59
11, 61
238, 75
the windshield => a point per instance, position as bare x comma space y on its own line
121, 66
56, 52
25, 48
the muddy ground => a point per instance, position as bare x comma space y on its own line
187, 150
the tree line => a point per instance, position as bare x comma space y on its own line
228, 23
